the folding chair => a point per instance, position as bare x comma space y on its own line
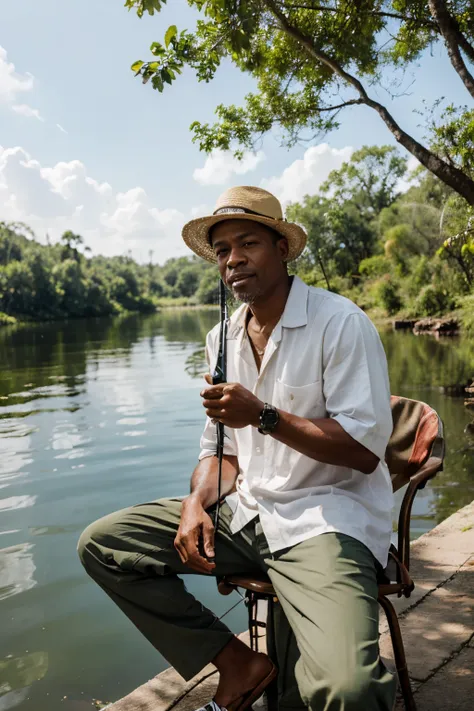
415, 454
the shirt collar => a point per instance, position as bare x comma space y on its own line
294, 315
296, 308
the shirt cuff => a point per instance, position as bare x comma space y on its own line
364, 434
212, 452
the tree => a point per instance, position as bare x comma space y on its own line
208, 291
369, 179
457, 224
341, 222
311, 60
17, 289
188, 281
13, 240
71, 242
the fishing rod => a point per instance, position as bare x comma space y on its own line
220, 376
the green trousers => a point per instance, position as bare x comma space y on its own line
327, 632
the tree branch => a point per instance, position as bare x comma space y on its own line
376, 13
451, 175
352, 102
451, 35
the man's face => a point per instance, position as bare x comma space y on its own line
250, 258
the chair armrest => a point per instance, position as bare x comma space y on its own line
418, 481
429, 469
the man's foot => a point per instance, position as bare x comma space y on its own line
241, 671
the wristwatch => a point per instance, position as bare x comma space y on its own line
269, 418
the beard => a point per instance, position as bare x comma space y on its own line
247, 297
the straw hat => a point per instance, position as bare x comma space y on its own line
244, 203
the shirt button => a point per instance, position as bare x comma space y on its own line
258, 450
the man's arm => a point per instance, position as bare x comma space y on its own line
195, 538
204, 480
324, 440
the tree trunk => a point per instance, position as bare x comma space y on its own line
450, 34
448, 174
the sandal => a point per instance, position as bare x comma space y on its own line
247, 699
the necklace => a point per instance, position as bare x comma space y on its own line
259, 351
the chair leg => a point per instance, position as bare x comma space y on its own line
271, 691
399, 653
253, 623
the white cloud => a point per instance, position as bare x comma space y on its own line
61, 128
27, 111
304, 176
221, 165
52, 199
12, 83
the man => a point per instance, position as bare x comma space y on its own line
307, 416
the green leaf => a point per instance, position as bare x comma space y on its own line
136, 66
157, 49
157, 82
166, 76
171, 32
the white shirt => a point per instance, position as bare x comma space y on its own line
324, 358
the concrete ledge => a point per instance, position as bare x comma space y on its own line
437, 624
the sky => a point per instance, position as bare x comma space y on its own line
85, 146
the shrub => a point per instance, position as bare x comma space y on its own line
388, 295
466, 313
375, 266
6, 320
432, 301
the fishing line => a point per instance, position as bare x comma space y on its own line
242, 599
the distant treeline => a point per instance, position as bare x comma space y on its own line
45, 282
392, 248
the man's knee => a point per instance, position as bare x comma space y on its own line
95, 534
345, 688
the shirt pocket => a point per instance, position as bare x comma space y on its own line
303, 400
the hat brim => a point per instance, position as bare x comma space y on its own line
196, 233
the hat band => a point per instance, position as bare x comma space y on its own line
244, 210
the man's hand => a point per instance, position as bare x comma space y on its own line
231, 404
195, 528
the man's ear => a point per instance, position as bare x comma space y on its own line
282, 245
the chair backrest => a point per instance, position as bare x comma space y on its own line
417, 434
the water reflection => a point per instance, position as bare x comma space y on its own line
17, 674
16, 570
419, 363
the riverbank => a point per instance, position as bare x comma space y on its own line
437, 624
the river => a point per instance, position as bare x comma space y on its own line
100, 414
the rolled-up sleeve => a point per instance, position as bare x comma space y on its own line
208, 442
355, 381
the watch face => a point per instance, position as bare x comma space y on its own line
269, 418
